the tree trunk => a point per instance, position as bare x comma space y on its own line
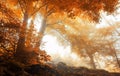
21, 51
114, 52
21, 41
41, 31
43, 24
92, 62
91, 57
117, 59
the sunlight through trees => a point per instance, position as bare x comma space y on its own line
25, 23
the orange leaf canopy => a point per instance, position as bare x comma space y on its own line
91, 8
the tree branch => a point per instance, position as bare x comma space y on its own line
38, 9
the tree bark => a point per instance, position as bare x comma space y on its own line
91, 57
92, 62
21, 41
117, 59
41, 31
43, 24
115, 54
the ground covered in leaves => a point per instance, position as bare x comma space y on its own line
14, 68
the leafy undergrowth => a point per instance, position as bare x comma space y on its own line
14, 68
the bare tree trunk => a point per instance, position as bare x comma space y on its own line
114, 52
21, 41
91, 57
41, 31
117, 59
43, 24
92, 62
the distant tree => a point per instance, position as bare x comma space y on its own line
86, 40
106, 41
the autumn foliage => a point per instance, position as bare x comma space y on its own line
91, 8
72, 18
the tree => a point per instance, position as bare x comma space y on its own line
20, 53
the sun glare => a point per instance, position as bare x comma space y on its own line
52, 45
60, 53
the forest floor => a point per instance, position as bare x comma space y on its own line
14, 68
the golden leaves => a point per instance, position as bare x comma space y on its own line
73, 8
91, 8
